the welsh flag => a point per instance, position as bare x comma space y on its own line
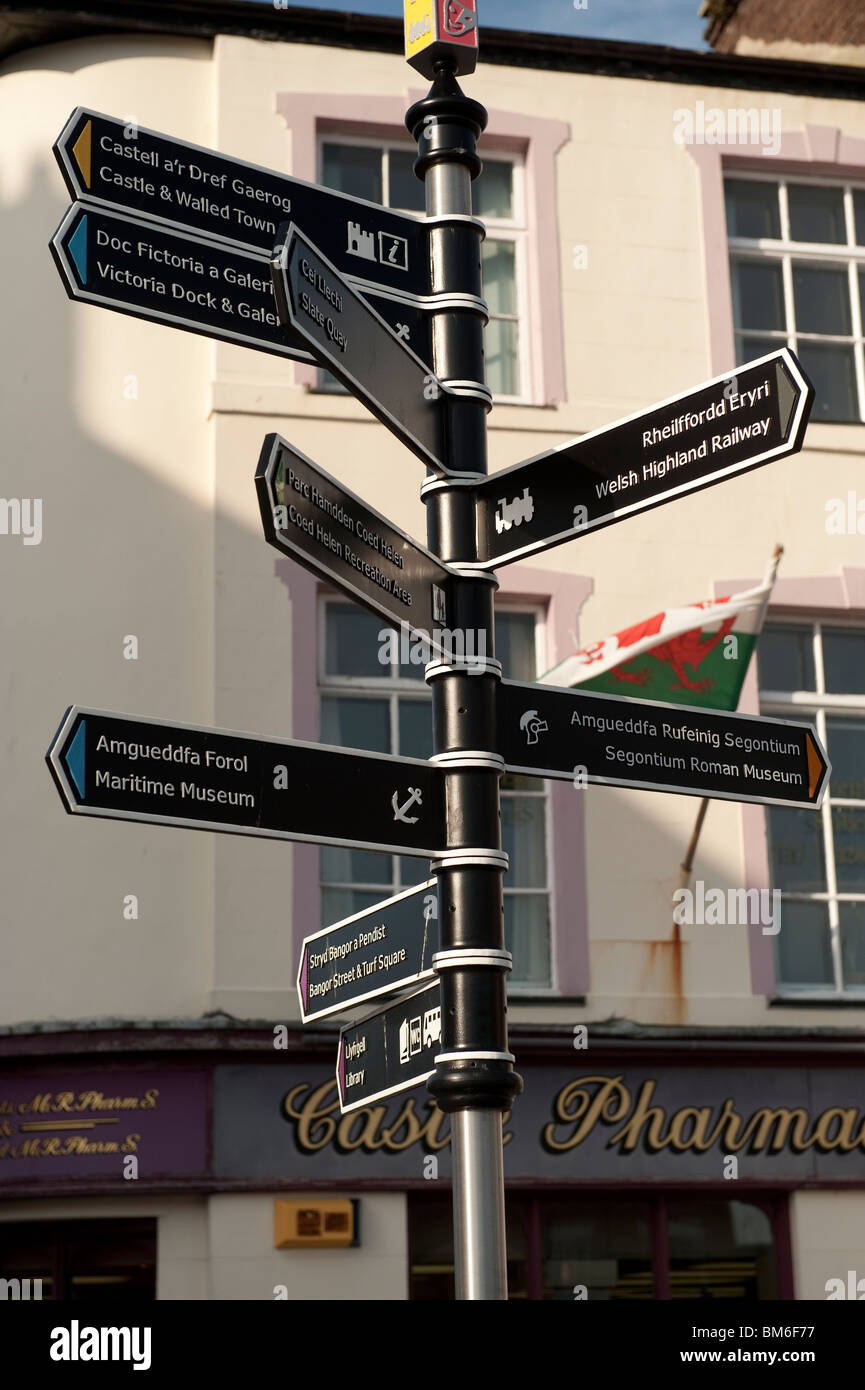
682, 656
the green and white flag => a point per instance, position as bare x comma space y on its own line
697, 655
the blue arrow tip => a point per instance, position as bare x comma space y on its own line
74, 759
77, 247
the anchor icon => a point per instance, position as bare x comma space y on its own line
399, 812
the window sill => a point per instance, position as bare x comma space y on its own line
811, 1001
837, 438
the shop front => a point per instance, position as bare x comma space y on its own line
674, 1168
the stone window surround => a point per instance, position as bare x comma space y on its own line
562, 597
538, 139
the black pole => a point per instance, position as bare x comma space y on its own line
474, 1080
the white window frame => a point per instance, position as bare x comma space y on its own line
849, 255
795, 705
396, 687
513, 229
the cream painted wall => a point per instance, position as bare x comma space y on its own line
245, 1265
127, 549
826, 1235
187, 569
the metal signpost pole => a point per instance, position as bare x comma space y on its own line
474, 1079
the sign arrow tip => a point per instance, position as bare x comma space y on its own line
816, 763
81, 151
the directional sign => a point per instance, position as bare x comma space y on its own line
111, 161
310, 516
390, 1051
750, 416
385, 949
166, 275
346, 335
549, 732
127, 768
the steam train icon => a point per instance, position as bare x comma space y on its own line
515, 512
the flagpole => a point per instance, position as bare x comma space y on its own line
687, 863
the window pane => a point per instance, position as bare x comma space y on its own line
339, 864
720, 1250
356, 723
816, 214
603, 1243
822, 298
502, 357
406, 189
752, 209
853, 942
499, 261
848, 835
758, 294
748, 347
515, 645
804, 953
492, 191
844, 661
523, 841
352, 643
786, 659
833, 377
527, 937
352, 169
415, 728
337, 903
846, 743
412, 871
859, 215
796, 853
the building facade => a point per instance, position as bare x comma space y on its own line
692, 1123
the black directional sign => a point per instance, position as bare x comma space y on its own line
570, 734
385, 949
750, 416
309, 515
127, 768
111, 161
348, 337
169, 276
390, 1051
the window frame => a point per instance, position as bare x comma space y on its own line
393, 689
819, 704
513, 230
848, 255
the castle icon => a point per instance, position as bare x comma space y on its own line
361, 243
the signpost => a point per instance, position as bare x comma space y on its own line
742, 420
545, 731
127, 768
389, 1051
347, 335
109, 161
167, 275
383, 950
167, 231
310, 516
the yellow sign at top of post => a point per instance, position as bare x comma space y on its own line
436, 29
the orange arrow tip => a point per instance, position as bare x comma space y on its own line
816, 764
81, 151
